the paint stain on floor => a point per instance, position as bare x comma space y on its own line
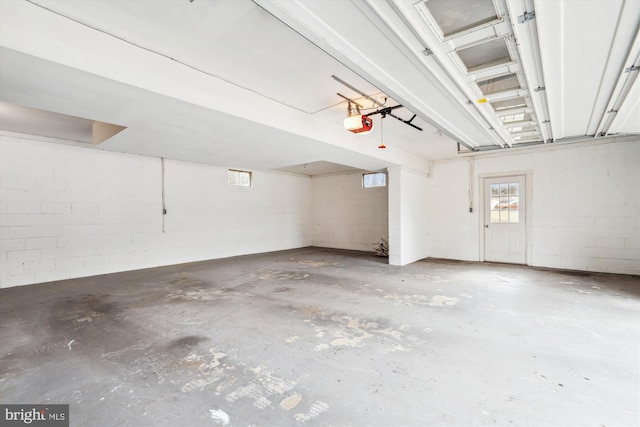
441, 301
290, 402
310, 263
280, 275
333, 330
206, 294
422, 300
316, 409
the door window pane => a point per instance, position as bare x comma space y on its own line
504, 203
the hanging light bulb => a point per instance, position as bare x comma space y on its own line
381, 146
356, 122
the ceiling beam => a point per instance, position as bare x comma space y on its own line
381, 58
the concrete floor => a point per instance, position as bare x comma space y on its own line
330, 338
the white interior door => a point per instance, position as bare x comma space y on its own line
505, 231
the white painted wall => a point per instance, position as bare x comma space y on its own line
408, 221
585, 206
452, 231
209, 219
72, 212
346, 215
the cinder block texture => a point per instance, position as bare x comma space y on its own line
584, 206
346, 215
73, 212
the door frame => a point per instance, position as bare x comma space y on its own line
482, 178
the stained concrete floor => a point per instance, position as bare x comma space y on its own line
320, 337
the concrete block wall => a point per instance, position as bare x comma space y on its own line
69, 212
72, 212
208, 219
346, 215
585, 206
584, 201
452, 231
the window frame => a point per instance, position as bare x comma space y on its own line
504, 202
364, 175
238, 180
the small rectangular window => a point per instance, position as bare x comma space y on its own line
371, 180
238, 177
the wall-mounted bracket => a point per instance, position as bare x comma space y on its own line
349, 100
358, 91
527, 16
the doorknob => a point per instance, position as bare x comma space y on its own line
486, 226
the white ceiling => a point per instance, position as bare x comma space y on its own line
249, 84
